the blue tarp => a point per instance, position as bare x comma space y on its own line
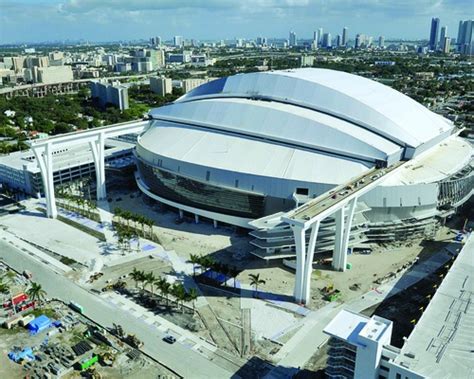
38, 324
26, 353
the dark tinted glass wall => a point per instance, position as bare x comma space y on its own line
201, 195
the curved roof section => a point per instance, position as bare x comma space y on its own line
282, 123
358, 100
209, 148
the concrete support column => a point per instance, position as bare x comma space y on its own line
343, 230
45, 162
98, 148
336, 256
309, 262
196, 219
300, 242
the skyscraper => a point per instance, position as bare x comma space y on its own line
293, 40
460, 32
344, 36
381, 42
338, 40
358, 41
177, 41
434, 33
442, 36
320, 36
326, 40
446, 43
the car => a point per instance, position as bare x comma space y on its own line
170, 339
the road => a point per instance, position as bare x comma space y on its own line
185, 361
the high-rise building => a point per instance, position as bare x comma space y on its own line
320, 36
442, 36
381, 42
293, 39
161, 86
338, 40
326, 40
344, 36
434, 33
465, 42
114, 93
358, 41
56, 74
155, 41
446, 44
261, 41
178, 41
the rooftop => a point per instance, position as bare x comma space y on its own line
348, 326
62, 158
441, 342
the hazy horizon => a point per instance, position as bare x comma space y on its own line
113, 20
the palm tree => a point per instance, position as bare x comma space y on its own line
179, 292
36, 292
137, 276
149, 279
192, 296
194, 259
165, 290
256, 281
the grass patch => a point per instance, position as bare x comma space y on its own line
67, 261
94, 233
48, 312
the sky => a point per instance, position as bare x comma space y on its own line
114, 20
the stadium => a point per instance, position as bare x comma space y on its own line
245, 149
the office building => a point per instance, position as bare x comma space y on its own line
327, 40
438, 347
320, 36
114, 94
293, 39
261, 41
180, 58
443, 34
190, 84
178, 41
381, 42
358, 41
434, 32
338, 40
464, 41
161, 85
344, 36
228, 150
446, 45
56, 74
155, 41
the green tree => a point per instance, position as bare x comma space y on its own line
36, 292
256, 281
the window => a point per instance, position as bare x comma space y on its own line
208, 175
398, 376
237, 183
302, 191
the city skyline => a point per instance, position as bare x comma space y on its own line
113, 20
